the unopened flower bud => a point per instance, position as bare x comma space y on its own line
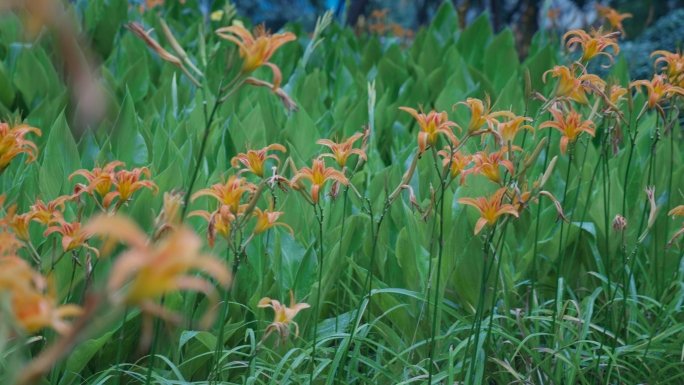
619, 224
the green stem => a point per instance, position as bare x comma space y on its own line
153, 349
119, 348
317, 310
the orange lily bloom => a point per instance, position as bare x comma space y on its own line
614, 18
571, 126
229, 194
318, 175
489, 164
101, 179
490, 209
341, 151
32, 308
9, 244
267, 219
18, 223
220, 222
592, 45
12, 143
126, 183
677, 211
254, 160
617, 93
156, 269
73, 235
674, 65
49, 214
283, 317
658, 89
431, 125
507, 130
571, 87
479, 115
458, 161
257, 49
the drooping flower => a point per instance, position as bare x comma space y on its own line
341, 151
100, 179
480, 114
9, 244
12, 143
156, 269
229, 194
592, 45
257, 49
614, 18
489, 164
33, 301
674, 66
459, 162
574, 88
254, 160
49, 214
658, 89
267, 219
220, 222
19, 224
73, 235
126, 183
283, 318
571, 126
431, 125
490, 208
318, 174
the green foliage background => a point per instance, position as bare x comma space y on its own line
156, 119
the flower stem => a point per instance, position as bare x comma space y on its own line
119, 348
319, 217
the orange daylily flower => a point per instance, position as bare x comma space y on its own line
100, 179
33, 308
571, 87
614, 18
458, 161
254, 160
256, 49
677, 211
592, 45
49, 214
12, 143
229, 194
658, 89
480, 114
488, 164
617, 93
156, 269
674, 65
73, 235
431, 125
508, 129
126, 183
18, 223
169, 216
283, 317
490, 209
220, 222
267, 219
9, 244
318, 174
341, 151
571, 126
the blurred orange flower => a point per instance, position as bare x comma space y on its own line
674, 65
126, 183
220, 222
18, 223
100, 179
49, 214
592, 45
571, 87
73, 235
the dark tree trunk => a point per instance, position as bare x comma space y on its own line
356, 9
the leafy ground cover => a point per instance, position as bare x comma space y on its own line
328, 208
